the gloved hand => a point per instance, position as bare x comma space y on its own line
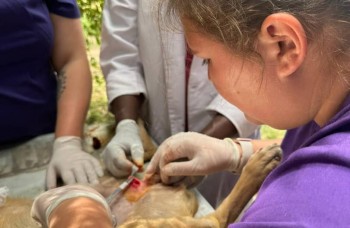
71, 163
126, 142
199, 154
46, 202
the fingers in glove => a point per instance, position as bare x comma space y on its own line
97, 166
90, 173
183, 168
174, 154
121, 162
114, 170
116, 162
154, 179
80, 174
68, 177
153, 166
176, 180
137, 154
158, 158
51, 178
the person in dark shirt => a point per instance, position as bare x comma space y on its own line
45, 89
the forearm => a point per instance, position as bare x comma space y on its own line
126, 107
69, 59
220, 127
80, 212
73, 97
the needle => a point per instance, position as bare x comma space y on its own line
110, 199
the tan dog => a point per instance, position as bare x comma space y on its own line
159, 205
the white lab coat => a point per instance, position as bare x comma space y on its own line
136, 58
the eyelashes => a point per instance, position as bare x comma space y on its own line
205, 62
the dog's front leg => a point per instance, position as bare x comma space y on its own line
254, 173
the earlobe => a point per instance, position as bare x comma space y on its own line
282, 41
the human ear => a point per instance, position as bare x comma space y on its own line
282, 42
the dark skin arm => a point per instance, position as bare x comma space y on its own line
220, 127
127, 107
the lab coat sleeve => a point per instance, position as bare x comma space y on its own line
236, 116
119, 58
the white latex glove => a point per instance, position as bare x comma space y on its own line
71, 163
126, 142
199, 155
46, 202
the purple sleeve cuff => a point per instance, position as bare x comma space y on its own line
64, 8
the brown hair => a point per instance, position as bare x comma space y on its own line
237, 23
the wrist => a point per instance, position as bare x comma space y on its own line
235, 154
63, 141
246, 150
124, 122
127, 125
67, 139
241, 150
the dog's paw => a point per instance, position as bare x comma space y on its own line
262, 162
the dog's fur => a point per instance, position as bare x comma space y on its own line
163, 206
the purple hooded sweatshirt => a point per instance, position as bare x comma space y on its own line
311, 187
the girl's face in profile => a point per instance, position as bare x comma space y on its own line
239, 81
247, 84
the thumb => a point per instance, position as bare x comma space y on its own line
51, 178
137, 153
152, 167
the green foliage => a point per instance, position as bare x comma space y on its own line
271, 133
91, 17
91, 14
98, 111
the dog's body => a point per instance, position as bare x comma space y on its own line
159, 205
